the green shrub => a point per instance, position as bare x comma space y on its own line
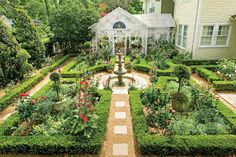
180, 102
207, 75
28, 84
179, 145
209, 67
61, 143
199, 62
224, 85
182, 72
142, 67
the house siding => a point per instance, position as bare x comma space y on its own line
185, 14
217, 12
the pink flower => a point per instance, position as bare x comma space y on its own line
85, 119
24, 94
32, 102
89, 106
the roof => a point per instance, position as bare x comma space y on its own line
143, 20
156, 20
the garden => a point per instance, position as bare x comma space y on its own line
73, 85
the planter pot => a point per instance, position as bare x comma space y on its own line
58, 106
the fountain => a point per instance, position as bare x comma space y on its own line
120, 68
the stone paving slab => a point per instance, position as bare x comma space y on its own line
120, 129
120, 104
120, 115
120, 149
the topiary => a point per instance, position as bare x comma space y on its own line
183, 73
180, 102
55, 77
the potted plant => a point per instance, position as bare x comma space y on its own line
58, 101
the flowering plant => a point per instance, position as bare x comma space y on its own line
82, 119
227, 68
27, 106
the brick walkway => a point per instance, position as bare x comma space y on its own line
119, 137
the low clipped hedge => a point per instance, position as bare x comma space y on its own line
224, 85
199, 62
180, 145
28, 84
142, 67
209, 67
59, 144
67, 74
208, 75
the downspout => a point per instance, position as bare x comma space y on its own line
196, 31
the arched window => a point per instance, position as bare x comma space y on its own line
119, 25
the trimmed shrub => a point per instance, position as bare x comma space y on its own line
199, 62
208, 75
61, 143
180, 102
179, 145
28, 84
224, 85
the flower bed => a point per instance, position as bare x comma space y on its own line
179, 145
46, 142
27, 85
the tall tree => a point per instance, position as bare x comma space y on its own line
13, 60
70, 23
27, 36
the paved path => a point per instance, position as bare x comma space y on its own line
119, 137
228, 98
8, 111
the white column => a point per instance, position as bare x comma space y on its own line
125, 45
113, 45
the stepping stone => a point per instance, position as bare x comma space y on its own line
120, 149
120, 129
120, 115
120, 104
120, 91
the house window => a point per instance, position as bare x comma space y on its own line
215, 36
119, 25
152, 8
182, 36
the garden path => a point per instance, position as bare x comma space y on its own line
228, 98
119, 137
11, 109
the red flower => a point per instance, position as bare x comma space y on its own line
32, 102
81, 82
103, 14
43, 97
86, 94
86, 83
81, 100
24, 94
89, 106
36, 99
85, 119
79, 94
81, 116
90, 102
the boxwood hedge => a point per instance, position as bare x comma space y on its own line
61, 143
180, 145
28, 84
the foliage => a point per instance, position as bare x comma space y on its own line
173, 145
55, 77
70, 23
28, 37
207, 74
180, 102
224, 85
228, 68
28, 84
182, 72
13, 60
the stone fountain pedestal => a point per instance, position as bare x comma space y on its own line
120, 68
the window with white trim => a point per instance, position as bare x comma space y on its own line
182, 36
152, 8
215, 36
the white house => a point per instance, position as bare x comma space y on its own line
121, 25
206, 28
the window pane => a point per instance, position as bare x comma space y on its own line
221, 40
206, 41
185, 31
184, 42
223, 30
207, 30
179, 35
